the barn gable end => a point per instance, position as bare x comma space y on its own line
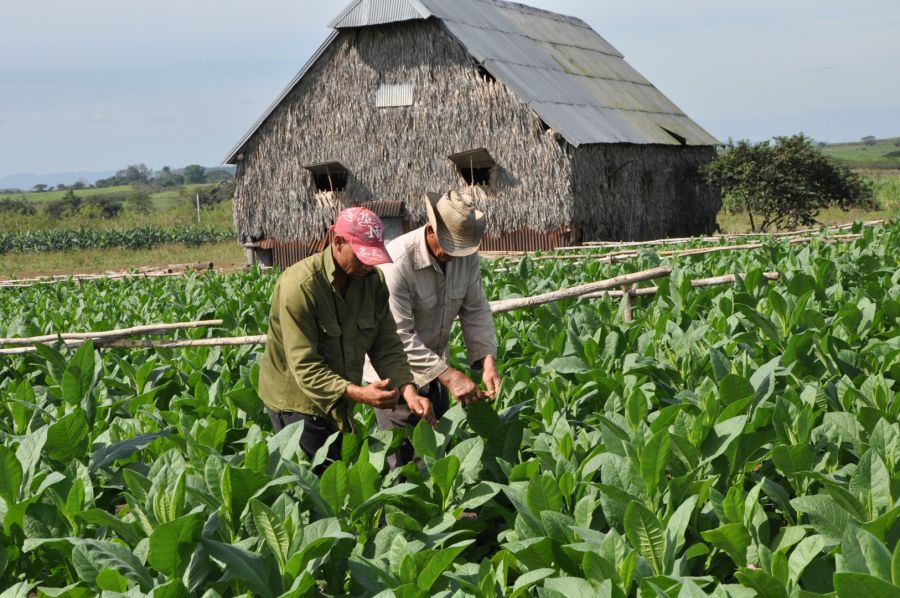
571, 143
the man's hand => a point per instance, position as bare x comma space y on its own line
460, 386
419, 405
491, 377
377, 394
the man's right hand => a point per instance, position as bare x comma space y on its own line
460, 386
377, 394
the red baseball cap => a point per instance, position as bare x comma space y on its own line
362, 228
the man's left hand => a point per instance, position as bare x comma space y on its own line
419, 405
491, 377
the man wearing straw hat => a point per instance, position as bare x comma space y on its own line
435, 277
328, 311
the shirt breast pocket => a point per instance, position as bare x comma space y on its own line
457, 296
330, 338
367, 329
425, 311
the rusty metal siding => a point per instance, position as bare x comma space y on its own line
288, 253
529, 240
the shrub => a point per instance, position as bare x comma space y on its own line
785, 183
16, 206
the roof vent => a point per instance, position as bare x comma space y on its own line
394, 96
681, 140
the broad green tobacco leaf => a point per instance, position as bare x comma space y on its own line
654, 459
424, 441
10, 476
334, 486
90, 557
860, 585
871, 483
861, 552
439, 563
67, 438
543, 495
173, 543
245, 566
646, 535
826, 517
765, 585
806, 550
733, 539
791, 460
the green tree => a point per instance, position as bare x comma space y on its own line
194, 174
134, 173
139, 202
784, 183
40, 187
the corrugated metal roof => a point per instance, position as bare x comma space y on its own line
575, 80
390, 96
364, 13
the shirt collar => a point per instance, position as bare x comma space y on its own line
423, 258
329, 263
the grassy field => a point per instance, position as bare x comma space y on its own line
883, 154
733, 223
161, 199
88, 261
178, 213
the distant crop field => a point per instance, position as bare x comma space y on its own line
46, 196
160, 199
883, 154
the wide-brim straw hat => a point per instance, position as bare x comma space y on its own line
458, 225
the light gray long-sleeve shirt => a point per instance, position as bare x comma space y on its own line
424, 300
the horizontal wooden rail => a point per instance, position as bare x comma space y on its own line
105, 338
505, 305
718, 238
143, 272
631, 254
501, 306
696, 283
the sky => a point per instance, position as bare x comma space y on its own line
99, 84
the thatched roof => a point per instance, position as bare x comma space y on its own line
572, 78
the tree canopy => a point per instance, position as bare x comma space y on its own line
785, 182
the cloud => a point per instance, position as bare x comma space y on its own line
99, 119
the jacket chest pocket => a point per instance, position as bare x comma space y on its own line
330, 339
367, 329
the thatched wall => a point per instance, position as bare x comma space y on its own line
398, 153
640, 192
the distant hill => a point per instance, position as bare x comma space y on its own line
877, 154
26, 180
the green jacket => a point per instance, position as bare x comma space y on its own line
318, 340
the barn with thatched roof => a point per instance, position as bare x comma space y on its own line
569, 142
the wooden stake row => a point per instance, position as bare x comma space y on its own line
594, 290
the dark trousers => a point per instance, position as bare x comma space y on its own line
315, 432
402, 415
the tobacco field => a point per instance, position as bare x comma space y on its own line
732, 441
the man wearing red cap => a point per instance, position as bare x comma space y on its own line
328, 311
